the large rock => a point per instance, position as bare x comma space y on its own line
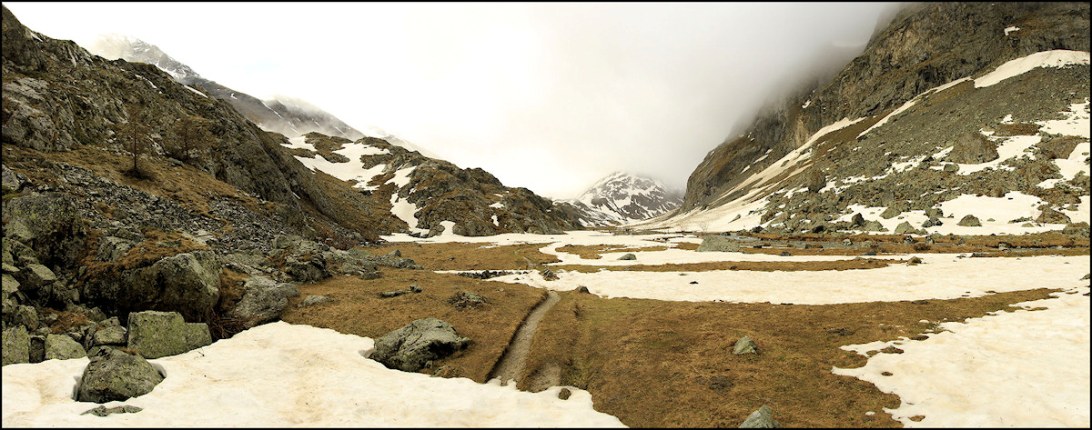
412, 346
745, 346
263, 301
760, 419
16, 345
970, 221
186, 283
116, 375
718, 243
62, 347
973, 148
159, 334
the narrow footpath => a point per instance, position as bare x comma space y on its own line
515, 356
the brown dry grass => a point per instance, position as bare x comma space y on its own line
358, 310
593, 252
469, 256
761, 266
651, 363
190, 187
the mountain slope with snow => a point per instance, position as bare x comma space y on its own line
429, 195
984, 143
621, 198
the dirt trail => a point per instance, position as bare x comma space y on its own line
515, 356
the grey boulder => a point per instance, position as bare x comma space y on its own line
411, 347
62, 347
116, 375
760, 419
263, 301
159, 334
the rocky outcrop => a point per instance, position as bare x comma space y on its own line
159, 334
116, 375
411, 347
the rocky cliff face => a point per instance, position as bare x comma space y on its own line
124, 191
271, 115
622, 198
925, 46
428, 195
948, 104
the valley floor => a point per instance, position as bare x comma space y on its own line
899, 337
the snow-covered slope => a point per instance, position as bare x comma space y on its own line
287, 117
621, 198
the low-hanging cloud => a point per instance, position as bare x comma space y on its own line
546, 96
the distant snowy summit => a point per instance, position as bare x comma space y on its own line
621, 198
291, 118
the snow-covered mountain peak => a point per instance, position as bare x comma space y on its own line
621, 197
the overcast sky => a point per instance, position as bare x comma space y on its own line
547, 96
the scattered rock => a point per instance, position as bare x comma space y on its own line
840, 331
155, 334
720, 383
718, 243
62, 347
1051, 216
760, 419
892, 350
548, 275
409, 348
583, 289
628, 256
16, 346
745, 346
312, 300
873, 226
970, 221
914, 261
415, 289
109, 332
116, 375
693, 282
485, 274
466, 299
102, 411
920, 302
564, 394
389, 294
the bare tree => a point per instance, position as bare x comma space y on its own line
133, 134
191, 132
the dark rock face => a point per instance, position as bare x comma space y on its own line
925, 46
412, 346
116, 375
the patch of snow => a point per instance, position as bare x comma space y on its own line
1076, 122
195, 91
942, 276
1056, 58
495, 222
1008, 369
1007, 119
1011, 29
402, 176
231, 383
497, 205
